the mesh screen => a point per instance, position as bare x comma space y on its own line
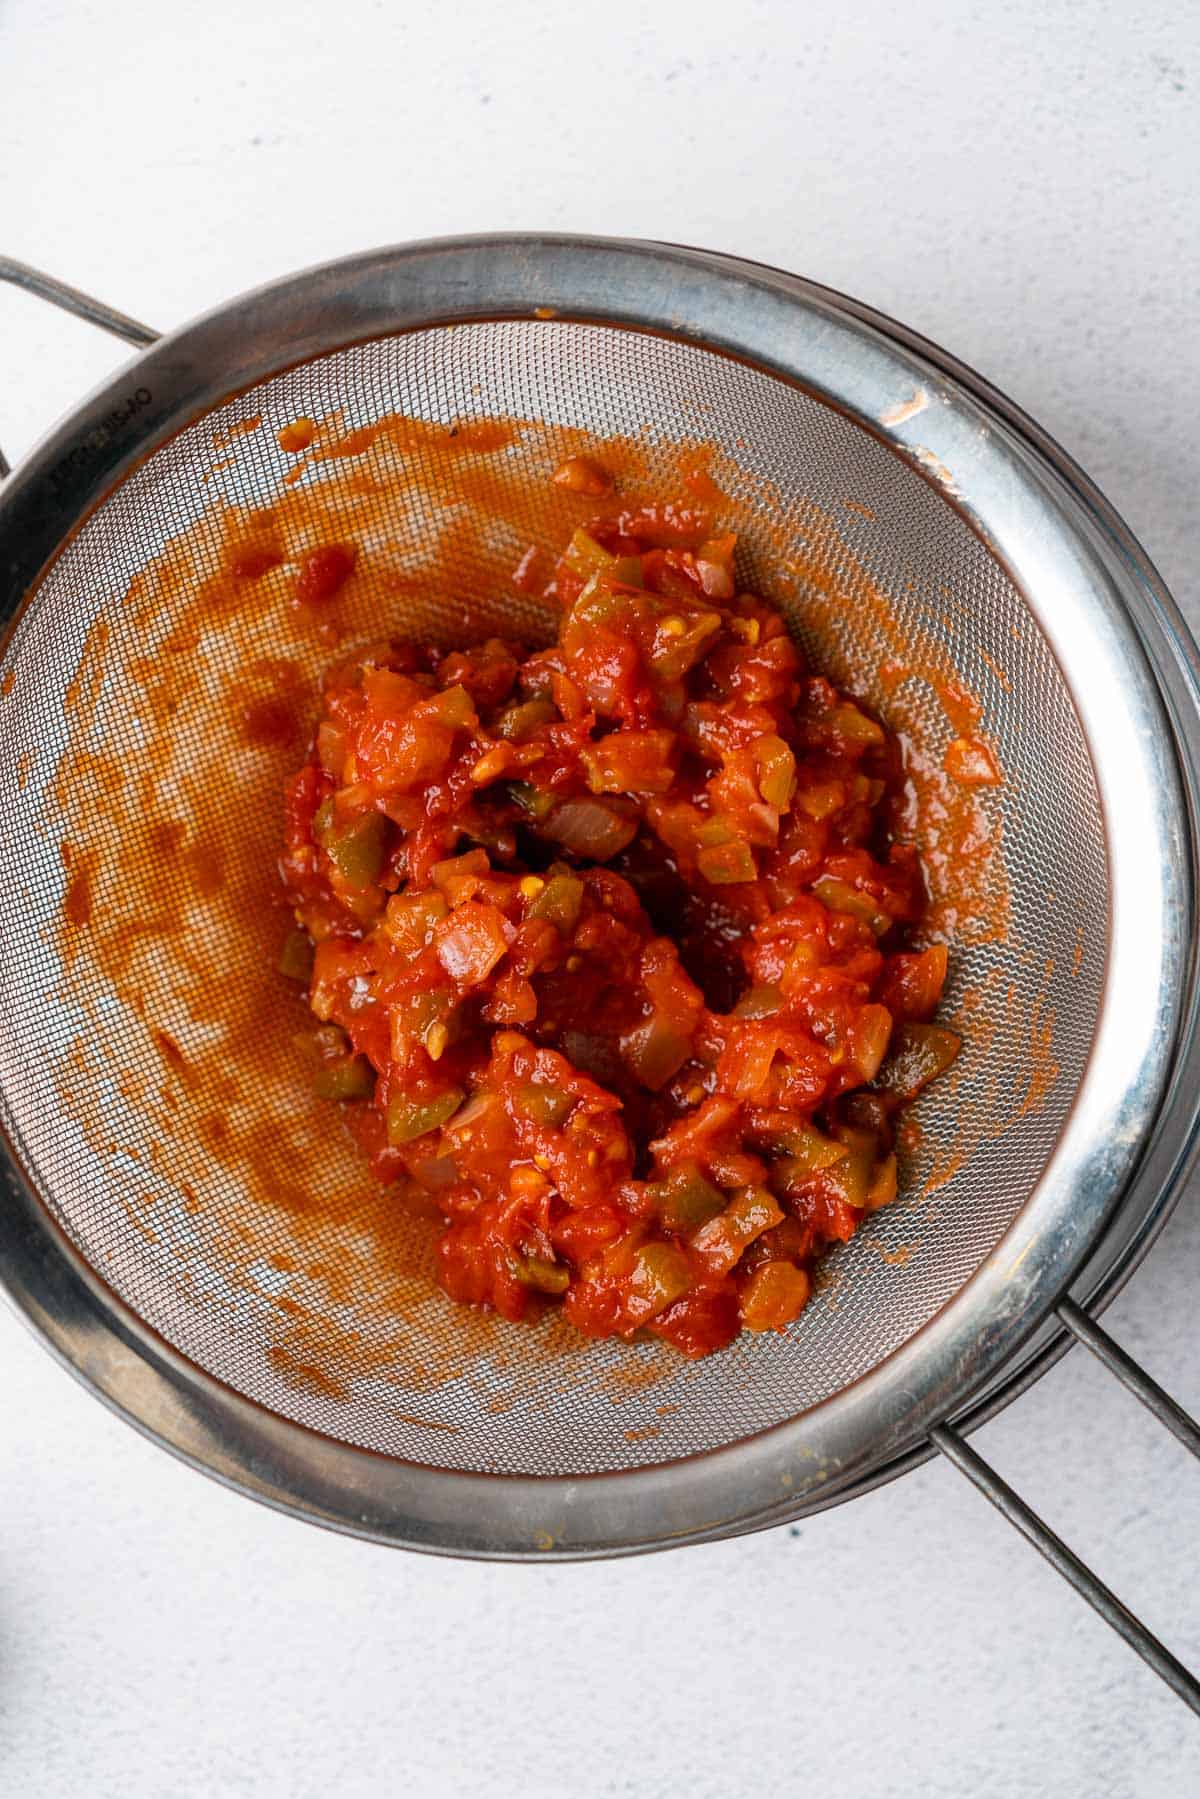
148, 1077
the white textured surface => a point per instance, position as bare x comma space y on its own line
1018, 181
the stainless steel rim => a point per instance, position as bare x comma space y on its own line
1172, 1153
1066, 543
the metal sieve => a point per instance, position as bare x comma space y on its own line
905, 485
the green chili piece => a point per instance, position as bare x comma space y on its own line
676, 649
840, 896
660, 1276
456, 708
776, 771
559, 902
430, 1017
409, 1118
539, 805
359, 850
687, 1199
749, 1213
522, 720
809, 1151
585, 557
851, 1177
759, 1002
323, 819
547, 1106
542, 1276
598, 605
919, 1053
296, 956
351, 1079
725, 864
655, 1050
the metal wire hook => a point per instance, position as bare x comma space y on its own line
73, 300
1035, 1530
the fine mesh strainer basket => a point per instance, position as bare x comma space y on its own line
275, 1335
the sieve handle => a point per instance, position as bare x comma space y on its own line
70, 299
1035, 1530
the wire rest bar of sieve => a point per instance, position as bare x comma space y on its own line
1036, 1531
71, 299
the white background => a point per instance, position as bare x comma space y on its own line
1019, 182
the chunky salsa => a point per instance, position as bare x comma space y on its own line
606, 943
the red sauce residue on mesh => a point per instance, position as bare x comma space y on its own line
972, 763
308, 1377
169, 797
696, 473
944, 1171
77, 900
267, 721
996, 1029
296, 436
427, 1423
629, 1379
961, 706
224, 440
1043, 1069
270, 707
997, 672
169, 1050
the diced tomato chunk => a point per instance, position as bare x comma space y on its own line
322, 572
